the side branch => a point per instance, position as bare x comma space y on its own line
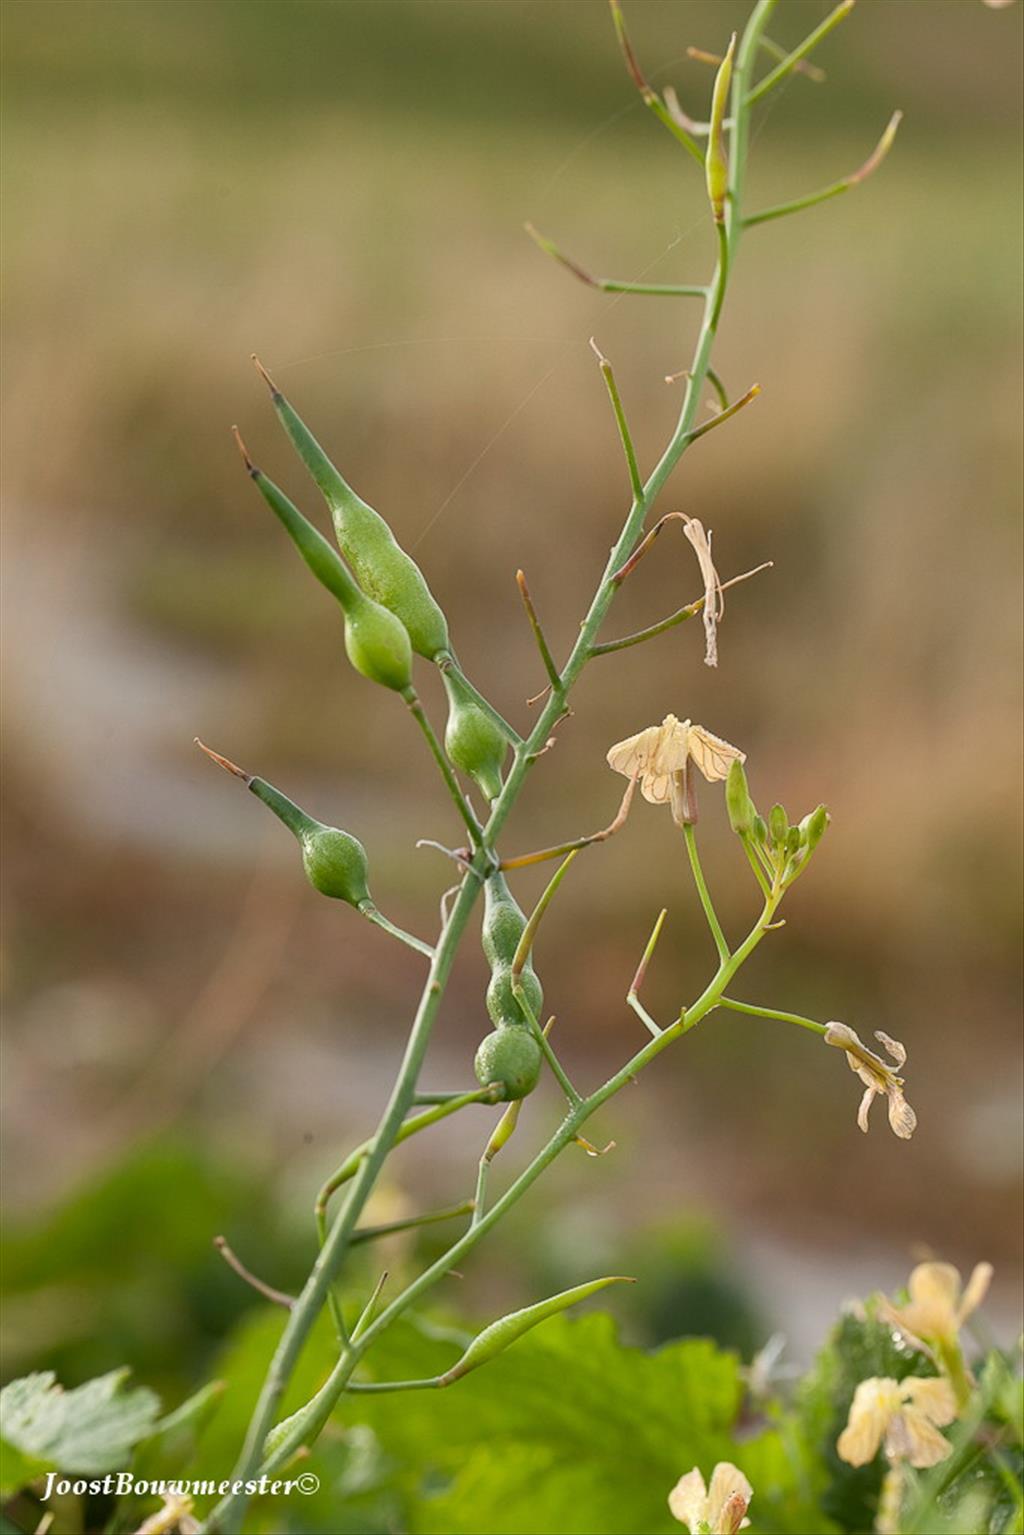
613, 284
871, 164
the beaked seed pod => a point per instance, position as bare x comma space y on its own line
737, 800
512, 1057
382, 567
501, 1334
716, 165
335, 862
472, 740
778, 824
376, 642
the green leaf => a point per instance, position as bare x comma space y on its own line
90, 1429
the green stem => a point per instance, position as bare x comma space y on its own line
771, 1012
607, 373
791, 60
705, 896
451, 783
410, 1223
653, 289
378, 919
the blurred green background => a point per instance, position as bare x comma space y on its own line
194, 1038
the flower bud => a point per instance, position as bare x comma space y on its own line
501, 1334
737, 800
472, 740
511, 1056
382, 567
778, 824
792, 840
814, 826
761, 830
716, 166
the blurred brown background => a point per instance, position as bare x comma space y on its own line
341, 188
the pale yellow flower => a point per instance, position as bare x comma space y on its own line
903, 1417
877, 1076
719, 1508
175, 1515
654, 755
939, 1305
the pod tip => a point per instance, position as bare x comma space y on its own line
240, 445
265, 376
224, 762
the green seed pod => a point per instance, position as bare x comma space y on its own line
335, 862
778, 824
501, 1334
737, 800
502, 1005
472, 740
382, 567
761, 830
503, 922
512, 1057
375, 640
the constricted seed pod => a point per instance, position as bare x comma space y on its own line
503, 926
512, 1057
473, 742
382, 567
503, 1333
376, 641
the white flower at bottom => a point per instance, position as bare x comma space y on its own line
878, 1078
904, 1416
720, 1508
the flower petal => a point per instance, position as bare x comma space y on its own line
932, 1396
727, 1482
901, 1116
895, 1049
912, 1437
865, 1104
934, 1298
977, 1289
688, 1500
871, 1410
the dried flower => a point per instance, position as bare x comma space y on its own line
719, 1508
878, 1078
938, 1305
903, 1416
654, 754
714, 597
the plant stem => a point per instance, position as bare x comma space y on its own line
771, 1012
227, 1515
721, 944
790, 62
378, 919
451, 783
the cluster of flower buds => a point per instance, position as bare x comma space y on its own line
782, 849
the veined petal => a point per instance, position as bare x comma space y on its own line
895, 1049
977, 1289
727, 1484
912, 1437
688, 1500
901, 1116
932, 1395
865, 1104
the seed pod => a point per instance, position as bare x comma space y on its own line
335, 862
375, 641
502, 929
512, 1057
737, 800
472, 740
382, 567
501, 1334
778, 824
